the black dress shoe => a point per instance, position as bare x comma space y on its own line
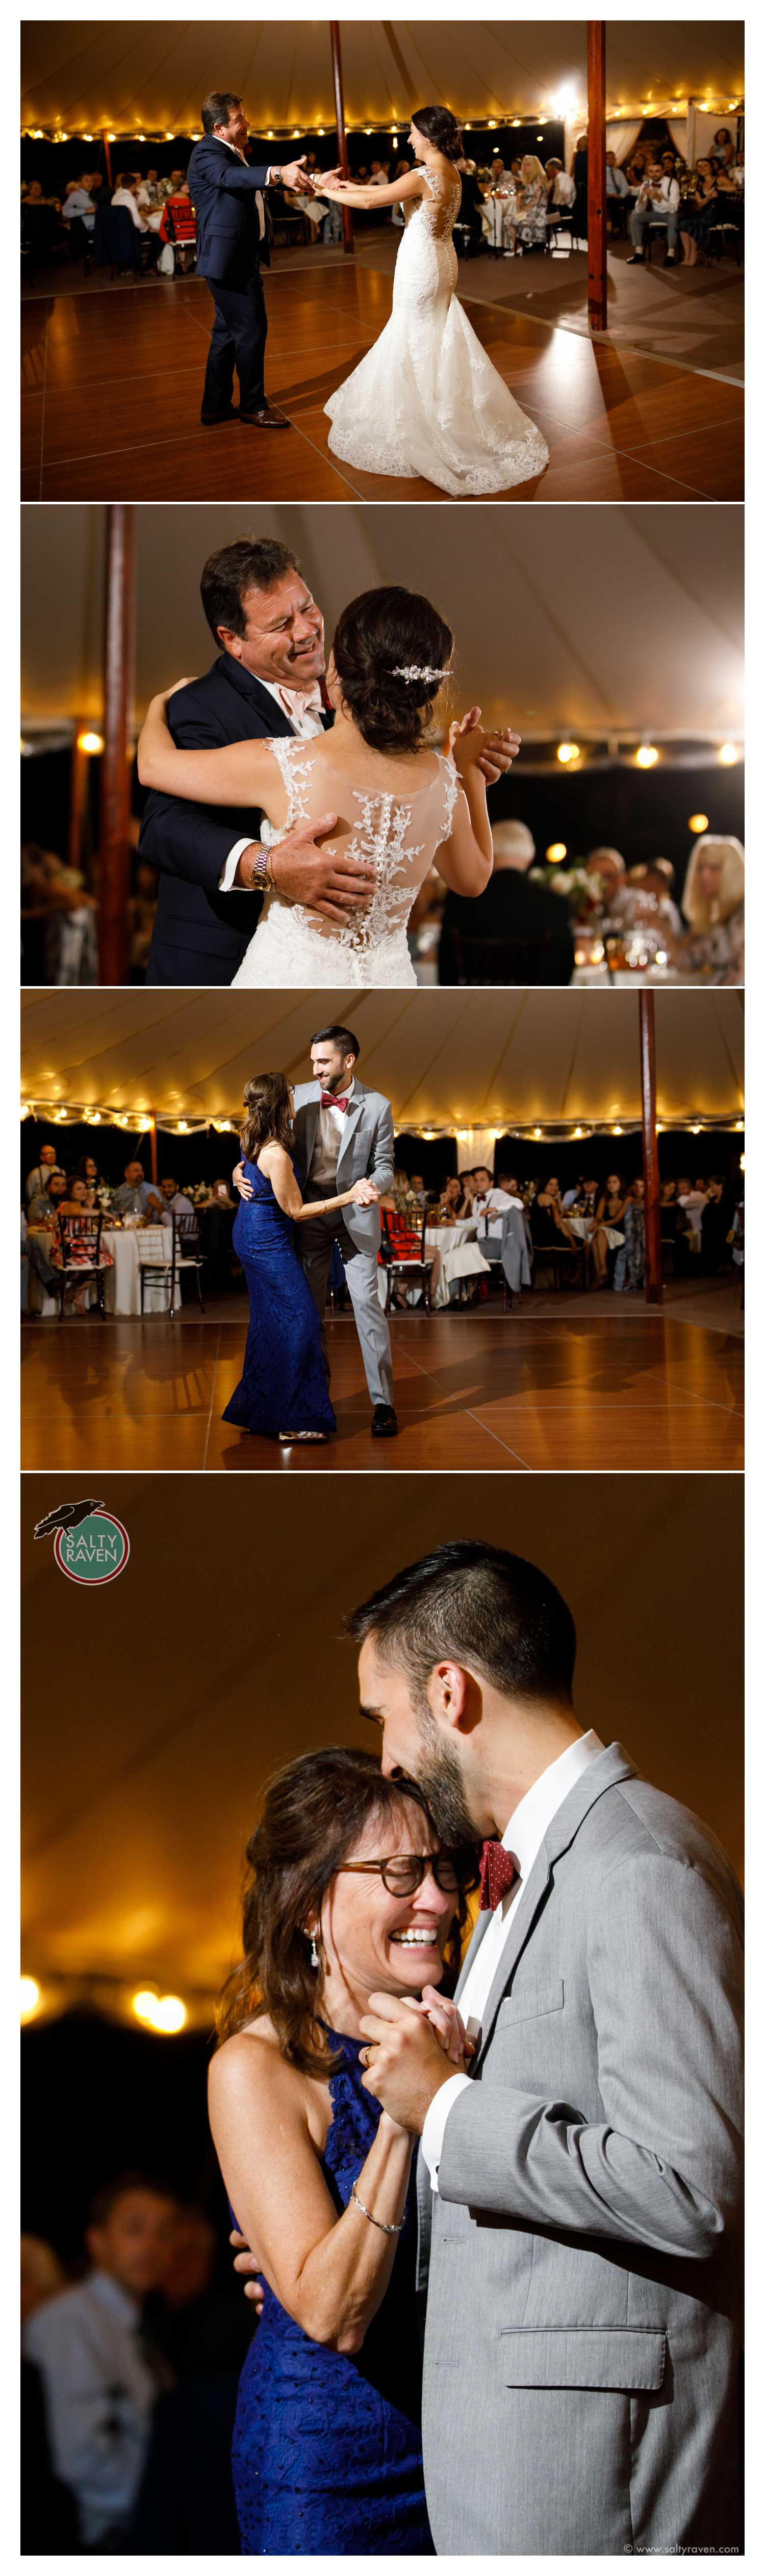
384, 1424
214, 419
265, 418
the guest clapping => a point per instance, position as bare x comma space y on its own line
713, 905
608, 1229
657, 204
549, 1226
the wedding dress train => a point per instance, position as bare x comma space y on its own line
426, 400
399, 835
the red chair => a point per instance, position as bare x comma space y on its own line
403, 1252
179, 228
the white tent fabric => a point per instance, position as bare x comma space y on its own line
153, 74
446, 1059
552, 630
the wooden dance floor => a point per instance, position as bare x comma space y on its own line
112, 385
606, 1388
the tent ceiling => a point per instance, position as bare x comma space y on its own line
145, 1762
443, 1058
546, 632
130, 74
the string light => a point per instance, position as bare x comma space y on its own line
647, 755
31, 1998
728, 753
568, 751
556, 852
698, 822
165, 2013
90, 742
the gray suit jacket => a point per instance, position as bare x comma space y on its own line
582, 2254
366, 1152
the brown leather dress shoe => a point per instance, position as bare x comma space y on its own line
265, 419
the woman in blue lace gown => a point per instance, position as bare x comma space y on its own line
348, 1893
282, 1392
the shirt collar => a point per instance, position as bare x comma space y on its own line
295, 703
528, 1824
111, 2294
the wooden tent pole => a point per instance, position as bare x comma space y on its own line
115, 770
342, 147
107, 154
153, 1150
597, 272
78, 772
654, 1290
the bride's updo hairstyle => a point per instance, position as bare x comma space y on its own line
441, 129
314, 1813
391, 653
268, 1118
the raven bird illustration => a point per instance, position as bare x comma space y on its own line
67, 1516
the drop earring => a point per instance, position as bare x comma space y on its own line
314, 1952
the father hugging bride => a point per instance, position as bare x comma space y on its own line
293, 823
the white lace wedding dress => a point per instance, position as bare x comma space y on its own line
400, 835
426, 400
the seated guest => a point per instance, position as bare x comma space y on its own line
87, 1170
713, 904
656, 206
137, 1196
699, 212
44, 1207
170, 187
176, 1202
716, 1222
151, 190
610, 869
693, 1202
736, 172
417, 1190
637, 170
79, 206
608, 1227
667, 1193
79, 1199
39, 1176
549, 1226
584, 1200
722, 151
471, 202
531, 219
452, 1204
512, 907
560, 190
126, 195
649, 890
99, 2389
490, 1202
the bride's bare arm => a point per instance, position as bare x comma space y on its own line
278, 1168
465, 860
411, 184
329, 2273
240, 773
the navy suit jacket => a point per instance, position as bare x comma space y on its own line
229, 246
200, 935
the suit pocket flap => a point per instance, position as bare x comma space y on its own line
530, 2004
623, 2357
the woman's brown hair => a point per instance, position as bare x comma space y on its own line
269, 1117
314, 1812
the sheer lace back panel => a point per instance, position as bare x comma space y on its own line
399, 835
439, 210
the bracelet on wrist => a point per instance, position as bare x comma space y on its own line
385, 2230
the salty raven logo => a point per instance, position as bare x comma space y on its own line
89, 1543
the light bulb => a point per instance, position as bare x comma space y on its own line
647, 755
30, 1998
568, 751
728, 753
91, 742
698, 822
557, 851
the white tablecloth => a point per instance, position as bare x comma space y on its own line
633, 979
122, 1284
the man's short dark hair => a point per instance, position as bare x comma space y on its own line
251, 563
218, 108
105, 2200
483, 1607
342, 1038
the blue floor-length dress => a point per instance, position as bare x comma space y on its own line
327, 2453
283, 1386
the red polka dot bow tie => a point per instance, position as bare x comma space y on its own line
498, 1873
329, 1100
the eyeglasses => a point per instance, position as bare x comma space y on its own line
402, 1875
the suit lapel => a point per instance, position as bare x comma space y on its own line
602, 1774
258, 699
351, 1119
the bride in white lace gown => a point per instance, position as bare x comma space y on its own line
398, 802
426, 400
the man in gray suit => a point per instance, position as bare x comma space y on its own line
344, 1133
580, 2177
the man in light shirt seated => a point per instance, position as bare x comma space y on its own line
138, 1197
99, 2387
78, 204
656, 207
617, 185
176, 1202
489, 1201
127, 194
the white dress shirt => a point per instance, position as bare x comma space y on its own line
523, 1836
329, 1137
667, 190
493, 1203
304, 708
124, 197
99, 2397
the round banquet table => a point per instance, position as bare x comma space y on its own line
122, 1284
455, 1256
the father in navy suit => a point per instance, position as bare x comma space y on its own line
266, 681
232, 246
